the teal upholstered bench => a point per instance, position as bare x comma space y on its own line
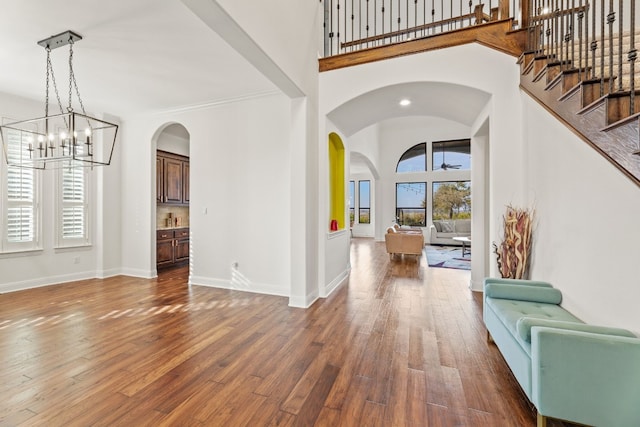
568, 369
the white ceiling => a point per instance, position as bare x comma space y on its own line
135, 56
458, 103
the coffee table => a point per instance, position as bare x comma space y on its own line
466, 244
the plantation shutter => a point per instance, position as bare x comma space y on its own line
20, 214
73, 203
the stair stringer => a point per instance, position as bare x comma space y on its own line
617, 144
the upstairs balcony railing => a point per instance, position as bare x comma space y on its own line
596, 40
352, 25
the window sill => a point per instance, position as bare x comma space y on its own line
9, 253
70, 248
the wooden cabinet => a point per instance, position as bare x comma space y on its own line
185, 182
172, 247
172, 178
159, 179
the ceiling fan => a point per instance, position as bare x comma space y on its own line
445, 165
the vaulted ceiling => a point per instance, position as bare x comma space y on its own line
135, 57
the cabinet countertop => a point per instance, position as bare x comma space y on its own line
171, 228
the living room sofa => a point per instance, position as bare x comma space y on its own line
569, 370
404, 242
442, 232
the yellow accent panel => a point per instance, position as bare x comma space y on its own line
336, 181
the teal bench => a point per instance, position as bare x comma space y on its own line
569, 370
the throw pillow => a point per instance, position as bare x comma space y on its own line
438, 226
447, 227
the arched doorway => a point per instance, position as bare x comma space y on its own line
172, 246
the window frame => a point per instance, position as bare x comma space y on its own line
417, 208
35, 204
368, 207
352, 202
439, 147
412, 149
433, 198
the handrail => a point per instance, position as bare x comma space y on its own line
422, 27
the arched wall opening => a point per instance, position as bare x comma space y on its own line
170, 147
366, 114
363, 204
336, 183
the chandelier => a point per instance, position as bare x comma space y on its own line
67, 139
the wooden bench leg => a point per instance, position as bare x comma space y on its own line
489, 338
542, 420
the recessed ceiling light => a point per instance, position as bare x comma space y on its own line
405, 102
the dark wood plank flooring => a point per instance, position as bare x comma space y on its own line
400, 344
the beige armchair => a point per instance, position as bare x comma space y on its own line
410, 243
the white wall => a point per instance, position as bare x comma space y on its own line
364, 146
286, 53
239, 188
366, 143
288, 32
50, 265
169, 142
587, 228
333, 246
396, 137
492, 72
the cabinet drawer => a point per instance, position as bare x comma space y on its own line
182, 232
164, 234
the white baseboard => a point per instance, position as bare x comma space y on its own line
103, 274
303, 301
135, 272
238, 285
335, 283
45, 281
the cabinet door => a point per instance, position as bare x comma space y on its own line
172, 181
159, 180
164, 252
185, 183
182, 249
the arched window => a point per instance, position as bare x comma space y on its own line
336, 181
414, 159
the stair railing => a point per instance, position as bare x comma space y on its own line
352, 25
583, 37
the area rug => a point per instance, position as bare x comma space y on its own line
447, 257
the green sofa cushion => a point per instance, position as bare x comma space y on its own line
523, 293
525, 324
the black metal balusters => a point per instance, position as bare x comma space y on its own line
572, 36
620, 34
611, 18
351, 25
580, 19
602, 36
338, 26
632, 56
594, 42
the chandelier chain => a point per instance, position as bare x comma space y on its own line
72, 79
53, 81
46, 99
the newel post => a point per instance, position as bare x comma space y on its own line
503, 9
525, 12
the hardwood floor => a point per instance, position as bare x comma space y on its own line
400, 344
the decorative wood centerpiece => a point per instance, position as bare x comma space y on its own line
514, 250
